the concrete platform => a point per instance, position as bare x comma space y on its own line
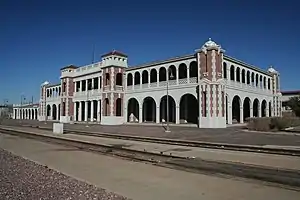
259, 159
138, 180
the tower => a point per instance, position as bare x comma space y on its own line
275, 87
113, 73
66, 95
211, 86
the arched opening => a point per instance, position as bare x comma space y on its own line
137, 78
82, 111
189, 111
15, 115
236, 104
224, 70
246, 108
256, 78
48, 110
133, 110
54, 112
77, 111
252, 79
29, 114
119, 107
106, 107
265, 82
182, 71
163, 109
264, 108
172, 70
270, 109
145, 77
32, 114
255, 108
193, 69
260, 81
119, 79
26, 114
58, 115
153, 76
162, 74
107, 78
238, 76
36, 114
243, 76
248, 77
129, 79
269, 84
232, 72
149, 110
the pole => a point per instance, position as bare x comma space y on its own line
168, 128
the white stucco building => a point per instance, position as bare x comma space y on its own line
208, 88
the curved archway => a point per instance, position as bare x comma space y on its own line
153, 76
32, 114
188, 107
172, 70
133, 110
118, 107
232, 72
48, 110
270, 109
163, 109
129, 79
255, 108
224, 70
246, 108
137, 78
119, 79
162, 74
29, 114
243, 76
149, 110
264, 108
145, 77
236, 104
193, 69
54, 112
36, 114
182, 71
248, 78
238, 76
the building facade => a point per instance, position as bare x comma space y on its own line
207, 88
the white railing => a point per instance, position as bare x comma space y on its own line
247, 87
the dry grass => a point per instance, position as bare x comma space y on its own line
272, 123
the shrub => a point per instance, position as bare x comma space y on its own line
272, 123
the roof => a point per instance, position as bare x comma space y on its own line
114, 52
69, 66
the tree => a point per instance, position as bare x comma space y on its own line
294, 104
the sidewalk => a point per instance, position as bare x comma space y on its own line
249, 158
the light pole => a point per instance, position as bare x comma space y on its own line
168, 117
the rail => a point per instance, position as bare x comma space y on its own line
287, 178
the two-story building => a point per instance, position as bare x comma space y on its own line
208, 88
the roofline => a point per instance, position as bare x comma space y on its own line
69, 66
52, 85
237, 61
160, 62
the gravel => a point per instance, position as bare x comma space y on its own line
23, 179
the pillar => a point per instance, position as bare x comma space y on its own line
92, 110
140, 114
177, 121
157, 115
241, 114
80, 111
75, 111
98, 110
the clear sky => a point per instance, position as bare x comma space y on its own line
40, 37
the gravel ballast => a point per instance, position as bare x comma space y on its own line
24, 179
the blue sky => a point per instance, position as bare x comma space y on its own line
40, 37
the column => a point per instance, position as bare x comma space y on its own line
259, 109
149, 77
86, 85
157, 115
92, 110
99, 83
229, 112
251, 110
80, 111
140, 115
177, 115
141, 80
177, 76
75, 111
92, 83
241, 115
86, 111
98, 111
133, 81
157, 78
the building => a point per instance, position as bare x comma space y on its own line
29, 111
208, 88
286, 95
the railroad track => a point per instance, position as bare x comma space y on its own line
222, 146
279, 177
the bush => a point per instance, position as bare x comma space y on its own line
272, 123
